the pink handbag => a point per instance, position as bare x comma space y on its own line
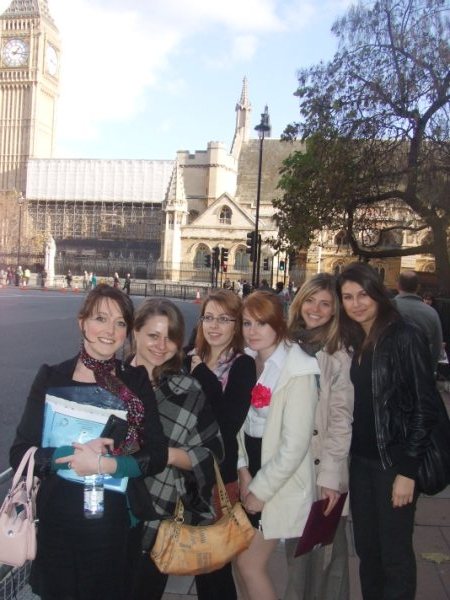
18, 515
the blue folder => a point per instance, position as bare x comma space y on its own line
79, 414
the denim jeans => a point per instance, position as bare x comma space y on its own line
383, 534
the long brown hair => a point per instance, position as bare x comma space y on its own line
328, 335
352, 333
232, 306
155, 307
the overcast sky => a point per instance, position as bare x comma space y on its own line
145, 78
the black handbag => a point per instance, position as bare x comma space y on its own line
434, 471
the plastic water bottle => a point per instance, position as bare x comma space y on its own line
93, 497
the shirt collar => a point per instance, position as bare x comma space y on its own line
278, 356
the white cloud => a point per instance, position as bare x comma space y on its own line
244, 47
115, 54
236, 15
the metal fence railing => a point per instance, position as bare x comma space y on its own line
180, 291
12, 579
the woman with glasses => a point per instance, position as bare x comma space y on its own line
227, 376
189, 425
276, 476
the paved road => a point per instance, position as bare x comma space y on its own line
39, 327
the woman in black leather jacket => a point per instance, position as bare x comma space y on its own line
395, 411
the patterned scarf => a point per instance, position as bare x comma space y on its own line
103, 372
223, 366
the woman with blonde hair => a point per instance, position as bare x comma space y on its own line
227, 376
276, 476
314, 325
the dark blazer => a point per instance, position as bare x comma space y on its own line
152, 457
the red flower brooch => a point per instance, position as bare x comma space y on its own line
261, 396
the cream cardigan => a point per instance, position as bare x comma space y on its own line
286, 480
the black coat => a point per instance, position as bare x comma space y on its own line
152, 458
405, 402
78, 557
230, 406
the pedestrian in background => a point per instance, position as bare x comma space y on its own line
127, 283
69, 278
18, 276
411, 306
26, 276
86, 281
284, 297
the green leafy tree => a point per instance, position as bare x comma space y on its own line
375, 121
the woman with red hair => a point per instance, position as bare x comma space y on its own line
276, 476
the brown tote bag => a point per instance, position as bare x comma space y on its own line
182, 549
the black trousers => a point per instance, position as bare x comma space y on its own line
149, 583
218, 585
383, 534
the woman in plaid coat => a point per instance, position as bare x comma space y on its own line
188, 423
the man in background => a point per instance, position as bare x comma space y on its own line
411, 306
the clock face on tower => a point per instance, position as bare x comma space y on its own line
51, 60
15, 53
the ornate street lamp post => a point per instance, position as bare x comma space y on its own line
263, 128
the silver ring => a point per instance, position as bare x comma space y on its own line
69, 465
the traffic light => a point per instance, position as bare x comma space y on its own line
281, 265
216, 254
266, 264
224, 255
251, 244
207, 263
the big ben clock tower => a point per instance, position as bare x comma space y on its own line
29, 71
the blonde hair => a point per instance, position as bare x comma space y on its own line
329, 334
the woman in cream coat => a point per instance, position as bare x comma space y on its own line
276, 473
313, 323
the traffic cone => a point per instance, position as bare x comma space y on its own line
197, 300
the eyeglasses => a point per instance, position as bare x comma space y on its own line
221, 320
